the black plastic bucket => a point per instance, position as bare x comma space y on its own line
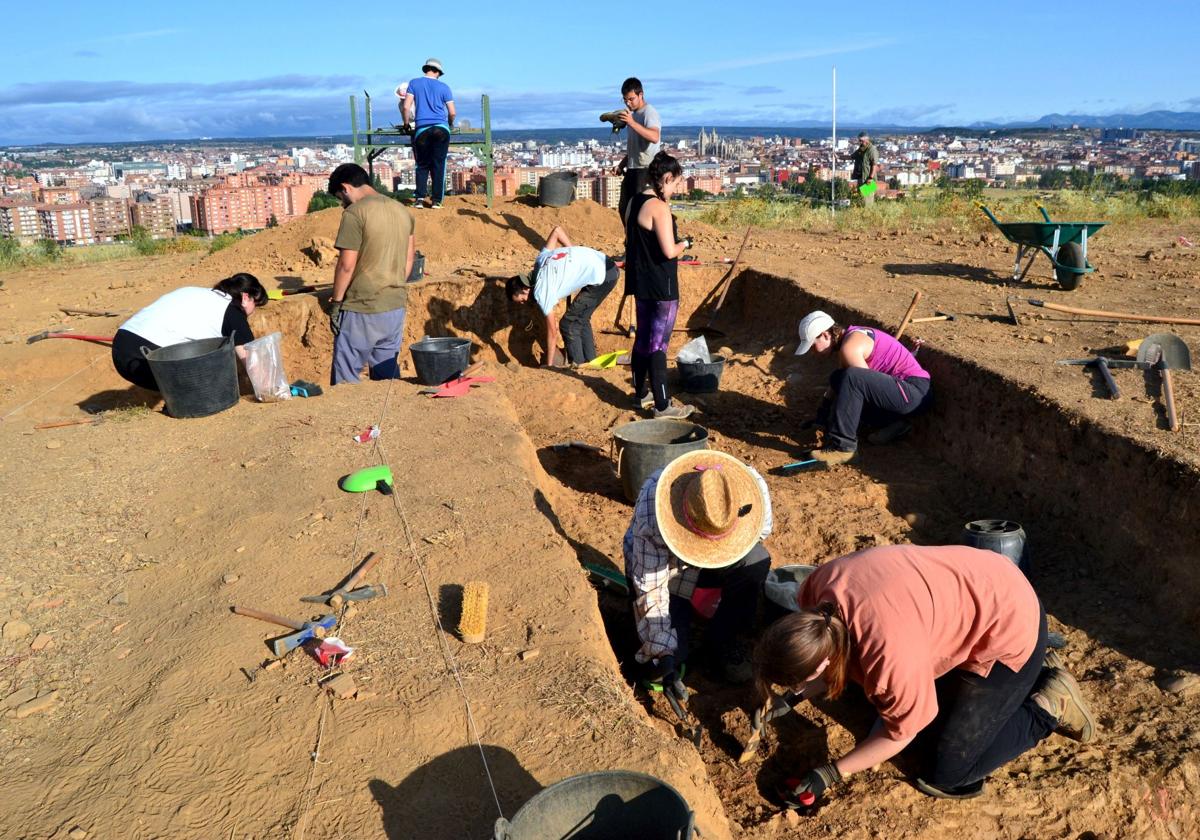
644, 446
608, 804
439, 360
196, 378
1001, 536
557, 189
701, 377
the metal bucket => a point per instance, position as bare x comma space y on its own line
701, 377
1001, 536
196, 378
608, 804
438, 360
644, 446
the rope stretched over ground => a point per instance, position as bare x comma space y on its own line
52, 387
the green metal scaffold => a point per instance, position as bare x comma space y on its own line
376, 141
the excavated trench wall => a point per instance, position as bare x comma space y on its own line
1135, 509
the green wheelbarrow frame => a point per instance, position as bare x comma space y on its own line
1063, 243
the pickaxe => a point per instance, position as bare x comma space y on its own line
44, 334
305, 630
348, 592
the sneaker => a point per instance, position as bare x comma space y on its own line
645, 402
678, 411
833, 457
1060, 695
890, 433
1053, 660
964, 792
435, 206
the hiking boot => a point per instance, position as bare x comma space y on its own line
833, 457
1060, 695
677, 411
731, 663
890, 433
964, 792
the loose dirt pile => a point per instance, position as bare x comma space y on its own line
130, 539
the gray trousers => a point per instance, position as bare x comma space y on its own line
368, 339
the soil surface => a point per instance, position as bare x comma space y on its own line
131, 536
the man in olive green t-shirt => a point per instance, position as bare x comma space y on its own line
375, 245
866, 166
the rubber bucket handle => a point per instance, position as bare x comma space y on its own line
502, 830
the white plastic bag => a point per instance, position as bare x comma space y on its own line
695, 350
264, 367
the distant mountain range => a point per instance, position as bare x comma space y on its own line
1163, 120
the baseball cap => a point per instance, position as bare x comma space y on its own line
811, 326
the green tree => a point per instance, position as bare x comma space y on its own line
10, 251
698, 194
322, 200
49, 250
766, 192
272, 222
526, 189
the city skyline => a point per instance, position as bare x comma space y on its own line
148, 72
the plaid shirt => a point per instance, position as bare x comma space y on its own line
655, 574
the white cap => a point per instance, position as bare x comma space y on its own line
811, 326
402, 89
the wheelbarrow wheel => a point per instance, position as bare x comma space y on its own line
1070, 256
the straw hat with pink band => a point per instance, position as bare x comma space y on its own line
710, 508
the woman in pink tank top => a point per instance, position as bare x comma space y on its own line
876, 376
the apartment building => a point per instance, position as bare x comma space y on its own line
19, 220
69, 224
155, 214
110, 218
607, 191
247, 202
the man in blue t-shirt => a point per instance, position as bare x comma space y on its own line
429, 108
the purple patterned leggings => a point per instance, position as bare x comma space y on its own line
655, 320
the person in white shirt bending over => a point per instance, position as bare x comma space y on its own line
561, 270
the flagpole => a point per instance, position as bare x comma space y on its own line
833, 152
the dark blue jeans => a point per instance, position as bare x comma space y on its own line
577, 320
430, 148
983, 722
740, 585
884, 397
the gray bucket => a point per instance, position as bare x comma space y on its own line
644, 446
439, 360
600, 806
701, 377
1002, 536
196, 378
557, 189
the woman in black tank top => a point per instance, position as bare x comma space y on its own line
651, 276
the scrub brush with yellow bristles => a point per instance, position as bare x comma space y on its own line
472, 625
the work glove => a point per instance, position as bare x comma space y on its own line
335, 317
807, 791
663, 675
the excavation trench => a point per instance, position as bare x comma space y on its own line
990, 448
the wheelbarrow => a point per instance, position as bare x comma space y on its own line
1063, 243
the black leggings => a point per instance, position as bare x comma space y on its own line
130, 363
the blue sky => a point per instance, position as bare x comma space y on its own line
141, 70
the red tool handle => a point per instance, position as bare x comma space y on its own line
270, 618
107, 339
361, 573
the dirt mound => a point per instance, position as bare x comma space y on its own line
463, 233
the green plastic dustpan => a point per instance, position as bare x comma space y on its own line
867, 188
378, 477
607, 360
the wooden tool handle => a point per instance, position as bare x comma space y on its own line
270, 618
361, 573
1117, 316
1169, 399
912, 307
